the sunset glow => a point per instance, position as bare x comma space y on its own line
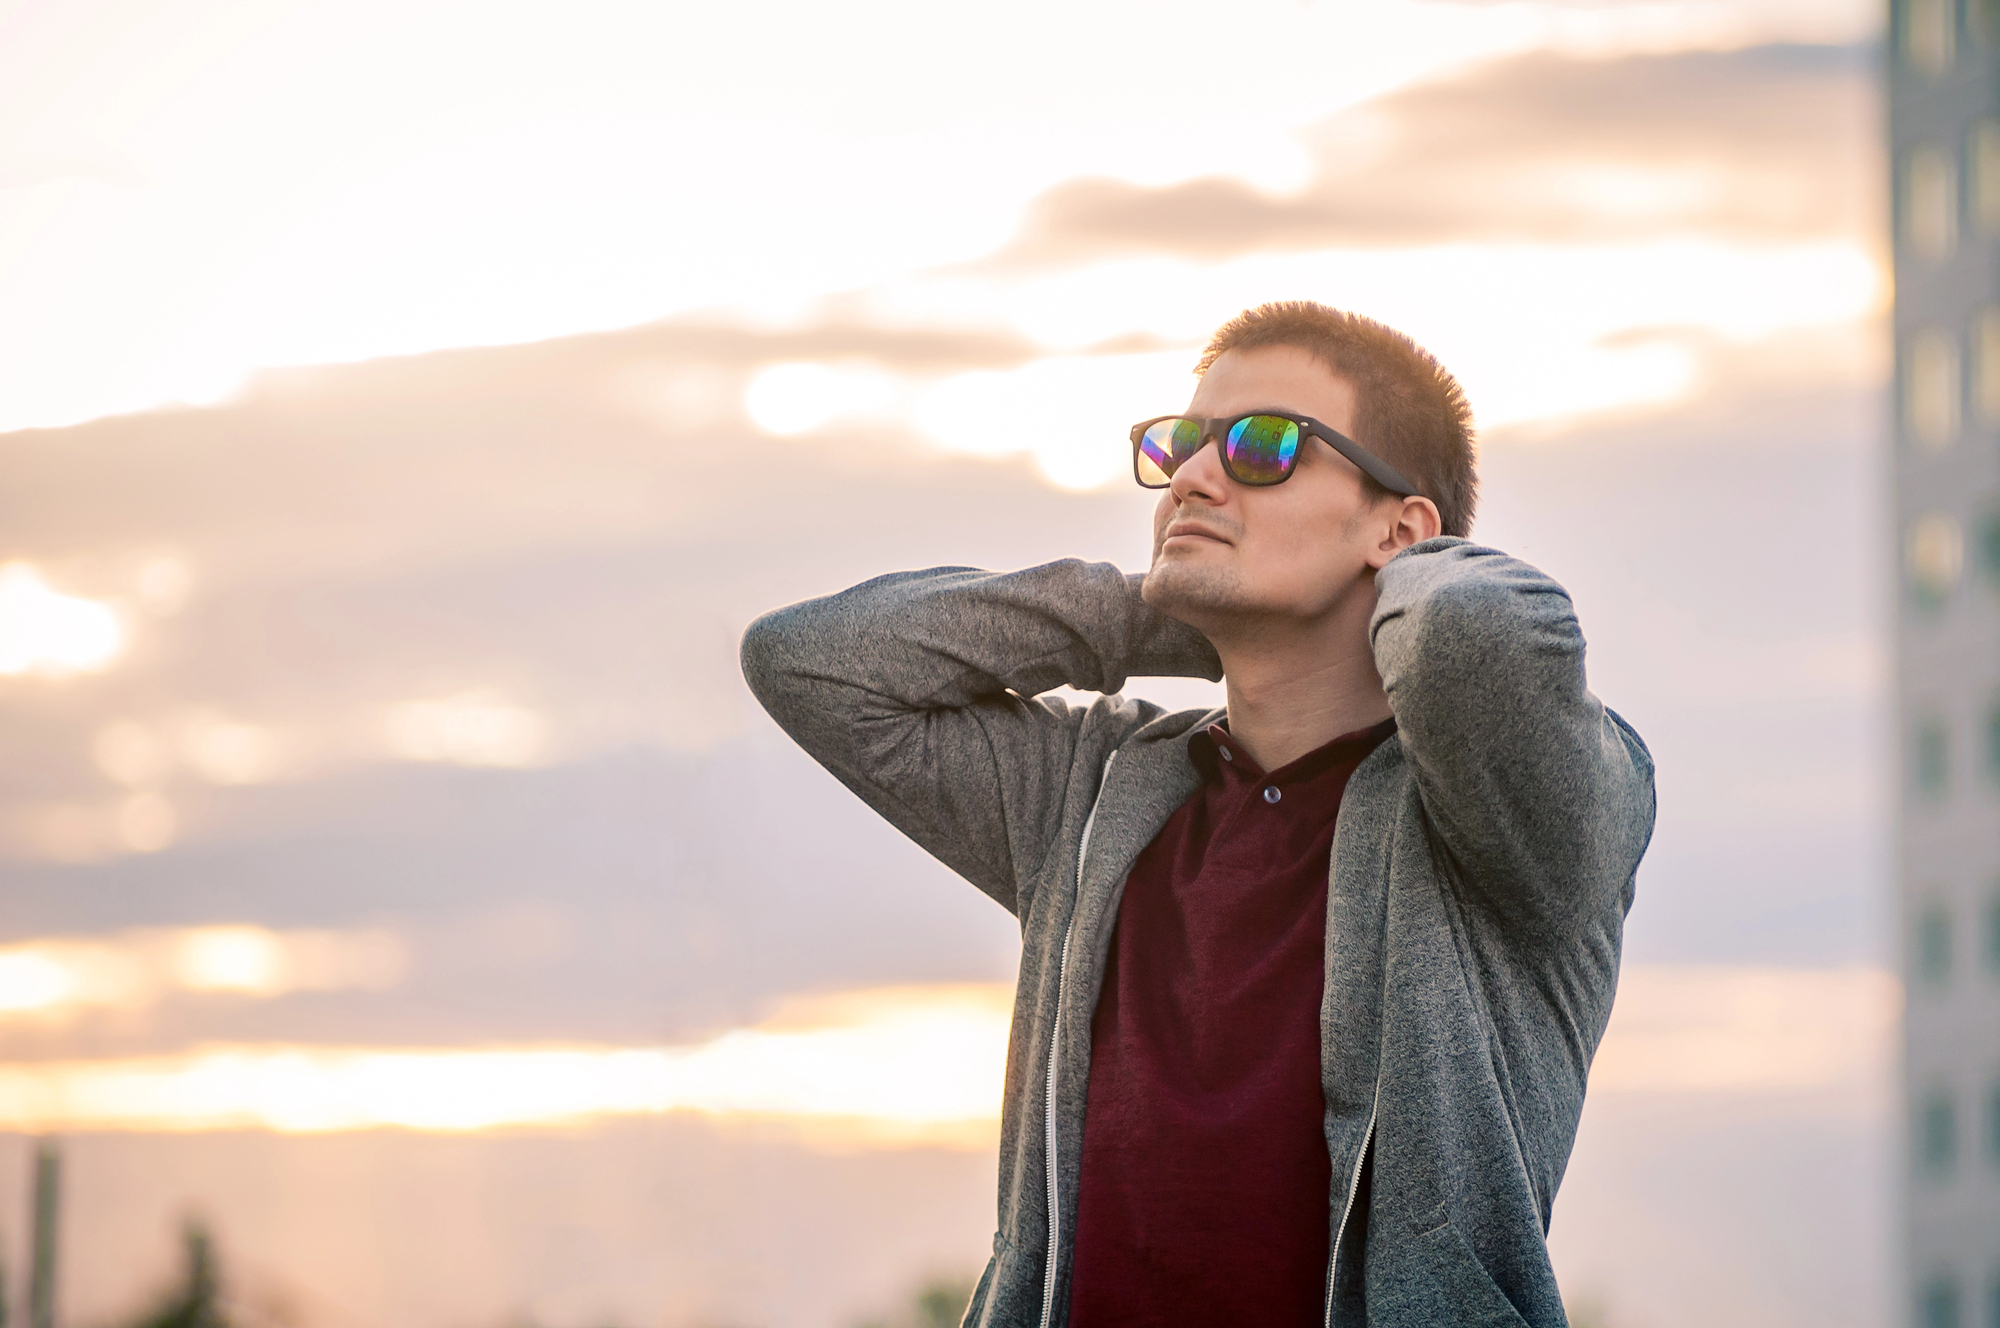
1534, 333
894, 1067
64, 977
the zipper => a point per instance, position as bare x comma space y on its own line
1353, 1188
1055, 1043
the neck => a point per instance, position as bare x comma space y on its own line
1295, 685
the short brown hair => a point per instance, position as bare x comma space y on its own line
1412, 412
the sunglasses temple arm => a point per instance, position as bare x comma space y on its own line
1373, 466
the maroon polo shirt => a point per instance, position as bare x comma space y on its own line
1204, 1190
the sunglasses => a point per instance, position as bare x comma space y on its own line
1258, 449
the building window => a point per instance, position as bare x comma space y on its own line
1982, 184
1993, 742
1986, 369
1993, 937
1930, 390
1934, 946
1934, 556
1989, 561
1937, 1303
1937, 1136
1929, 27
1930, 205
1983, 17
1931, 759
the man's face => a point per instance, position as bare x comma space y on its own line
1226, 551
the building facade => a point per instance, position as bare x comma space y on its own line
1944, 138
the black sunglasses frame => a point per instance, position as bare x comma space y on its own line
1216, 430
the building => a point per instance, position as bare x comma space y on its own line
1944, 137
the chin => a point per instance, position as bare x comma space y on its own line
1187, 589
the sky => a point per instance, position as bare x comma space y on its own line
405, 407
196, 191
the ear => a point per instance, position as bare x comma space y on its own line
1411, 521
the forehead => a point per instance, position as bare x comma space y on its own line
1285, 378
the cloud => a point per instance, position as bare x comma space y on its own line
563, 541
1758, 143
59, 978
446, 451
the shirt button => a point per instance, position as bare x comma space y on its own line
1271, 794
1225, 753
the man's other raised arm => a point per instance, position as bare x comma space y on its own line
1542, 796
917, 691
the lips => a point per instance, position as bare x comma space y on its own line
1194, 530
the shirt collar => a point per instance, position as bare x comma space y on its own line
1218, 756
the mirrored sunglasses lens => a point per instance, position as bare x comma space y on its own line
1262, 449
1163, 447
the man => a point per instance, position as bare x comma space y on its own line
1309, 986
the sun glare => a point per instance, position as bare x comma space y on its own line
796, 398
44, 631
1070, 413
250, 960
30, 980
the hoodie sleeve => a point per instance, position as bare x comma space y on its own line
1542, 797
917, 691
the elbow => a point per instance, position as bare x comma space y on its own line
768, 655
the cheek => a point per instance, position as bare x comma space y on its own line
1163, 512
1306, 553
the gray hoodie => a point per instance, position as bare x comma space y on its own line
1481, 871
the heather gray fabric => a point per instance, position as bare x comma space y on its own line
1482, 867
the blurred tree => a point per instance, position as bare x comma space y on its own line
939, 1303
45, 1218
1588, 1313
197, 1301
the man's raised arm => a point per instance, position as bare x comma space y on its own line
1543, 797
915, 689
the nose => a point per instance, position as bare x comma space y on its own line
1201, 476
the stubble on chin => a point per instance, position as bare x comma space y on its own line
1194, 592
